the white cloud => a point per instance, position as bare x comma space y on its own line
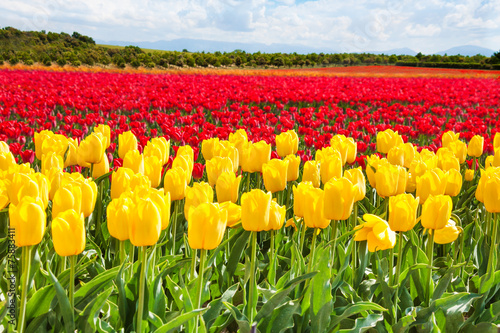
419, 30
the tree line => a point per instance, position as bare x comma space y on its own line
29, 47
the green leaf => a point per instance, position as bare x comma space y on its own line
176, 292
482, 327
88, 317
281, 318
352, 309
40, 302
89, 290
240, 318
154, 319
64, 306
364, 324
216, 305
122, 298
443, 284
4, 311
236, 251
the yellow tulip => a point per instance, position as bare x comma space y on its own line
101, 168
145, 225
134, 161
372, 164
39, 138
485, 175
388, 139
7, 161
409, 154
390, 180
339, 197
433, 182
496, 158
4, 147
447, 234
376, 232
292, 173
152, 170
118, 213
227, 187
175, 183
352, 150
469, 175
126, 142
274, 173
68, 233
216, 166
447, 160
459, 149
120, 181
182, 161
403, 212
449, 137
206, 226
299, 198
436, 211
475, 148
356, 177
160, 199
91, 149
254, 156
158, 147
314, 207
68, 196
429, 158
496, 140
311, 173
227, 149
54, 176
72, 157
28, 219
491, 190
239, 139
276, 216
331, 166
255, 209
51, 161
233, 213
396, 155
106, 134
56, 143
23, 185
188, 154
89, 192
208, 148
196, 195
4, 197
287, 143
453, 183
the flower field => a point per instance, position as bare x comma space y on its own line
302, 201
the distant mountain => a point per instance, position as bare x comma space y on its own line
400, 51
468, 50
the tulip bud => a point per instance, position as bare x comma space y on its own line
292, 173
469, 175
314, 207
39, 138
68, 233
388, 139
120, 181
227, 187
126, 142
402, 212
145, 225
352, 150
196, 195
28, 219
447, 234
118, 214
299, 198
453, 183
449, 137
206, 226
476, 146
436, 211
339, 198
255, 209
106, 134
311, 173
287, 143
276, 216
22, 186
275, 174
134, 161
175, 182
376, 232
357, 178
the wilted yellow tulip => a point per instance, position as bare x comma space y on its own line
449, 137
208, 148
469, 175
276, 216
459, 149
216, 166
239, 139
68, 233
402, 212
274, 173
299, 198
206, 226
254, 156
101, 168
376, 232
388, 139
145, 225
339, 198
396, 155
447, 234
312, 173
287, 143
72, 157
106, 134
7, 160
28, 219
175, 183
292, 173
475, 148
227, 187
491, 190
453, 183
436, 211
233, 213
433, 182
68, 196
89, 192
255, 209
196, 195
126, 142
152, 170
390, 180
314, 208
134, 161
330, 166
118, 215
120, 181
51, 161
356, 177
227, 149
91, 149
39, 138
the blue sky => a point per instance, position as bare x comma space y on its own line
426, 25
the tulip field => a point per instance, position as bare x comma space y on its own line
240, 202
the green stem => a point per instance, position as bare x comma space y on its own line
271, 257
63, 265
430, 256
493, 246
193, 263
91, 170
396, 279
122, 252
334, 244
259, 180
355, 245
72, 267
26, 263
248, 181
288, 189
391, 263
302, 236
313, 250
251, 309
174, 225
142, 279
131, 259
199, 289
